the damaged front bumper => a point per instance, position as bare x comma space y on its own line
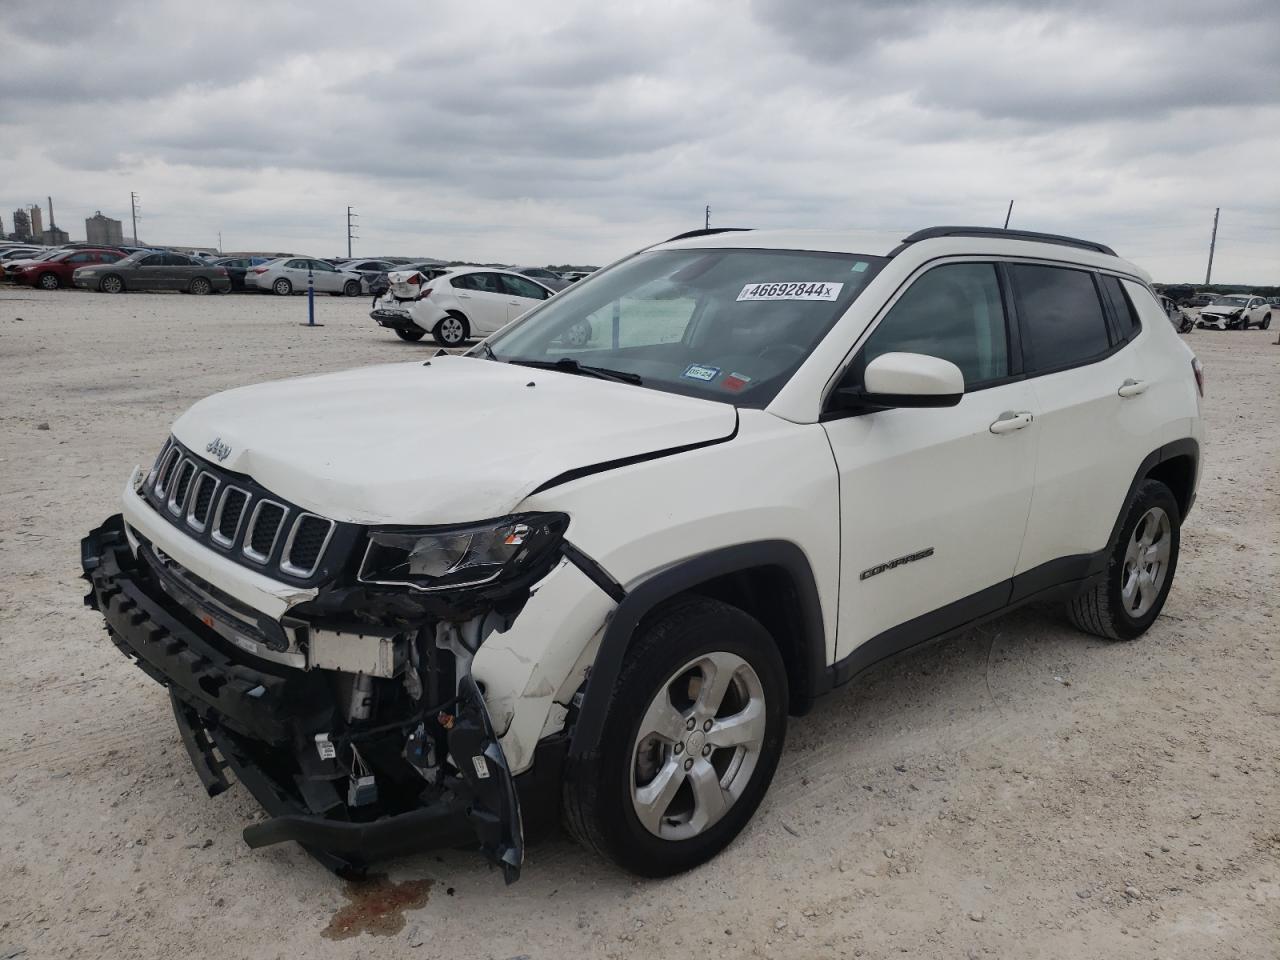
282, 732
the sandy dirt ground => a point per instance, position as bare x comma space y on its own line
1023, 791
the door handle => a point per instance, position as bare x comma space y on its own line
514, 303
464, 296
1012, 420
1132, 387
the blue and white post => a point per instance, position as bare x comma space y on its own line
311, 300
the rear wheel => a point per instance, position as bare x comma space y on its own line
691, 742
111, 283
412, 335
282, 287
351, 288
1140, 569
200, 286
49, 281
451, 331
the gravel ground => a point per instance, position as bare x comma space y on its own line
1022, 791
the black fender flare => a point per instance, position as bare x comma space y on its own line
679, 578
1184, 447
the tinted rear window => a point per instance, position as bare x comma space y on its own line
1060, 316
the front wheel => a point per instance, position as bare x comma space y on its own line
691, 742
411, 335
282, 287
1266, 322
49, 281
1140, 569
111, 284
451, 331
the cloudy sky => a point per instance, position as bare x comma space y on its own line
576, 132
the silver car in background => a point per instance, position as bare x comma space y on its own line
289, 275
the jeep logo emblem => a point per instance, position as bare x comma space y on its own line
218, 449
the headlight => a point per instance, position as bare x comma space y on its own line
439, 558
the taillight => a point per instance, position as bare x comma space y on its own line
426, 292
415, 279
1198, 369
222, 271
259, 269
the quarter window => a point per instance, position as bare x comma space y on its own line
1121, 307
1060, 315
954, 312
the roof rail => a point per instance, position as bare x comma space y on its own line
706, 233
930, 233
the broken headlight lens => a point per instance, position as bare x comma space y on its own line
439, 558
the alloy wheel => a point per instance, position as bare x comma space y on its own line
1146, 562
451, 330
697, 746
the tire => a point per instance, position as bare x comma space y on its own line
1106, 609
1266, 322
282, 287
451, 331
602, 800
111, 283
199, 287
48, 281
411, 335
351, 288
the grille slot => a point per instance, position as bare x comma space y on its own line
166, 471
181, 482
226, 522
264, 529
307, 541
202, 501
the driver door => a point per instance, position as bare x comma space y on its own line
934, 501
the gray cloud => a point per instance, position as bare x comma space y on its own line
578, 131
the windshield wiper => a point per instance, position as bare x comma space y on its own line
570, 365
488, 350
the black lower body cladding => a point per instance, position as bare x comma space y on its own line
259, 721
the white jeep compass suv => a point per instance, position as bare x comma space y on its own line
667, 509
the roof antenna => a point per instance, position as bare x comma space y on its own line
1008, 214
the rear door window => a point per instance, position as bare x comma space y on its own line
1060, 315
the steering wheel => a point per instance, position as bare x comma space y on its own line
788, 347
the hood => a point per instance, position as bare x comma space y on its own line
1223, 309
456, 440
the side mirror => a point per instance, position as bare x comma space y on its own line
904, 380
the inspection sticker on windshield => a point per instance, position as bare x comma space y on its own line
791, 291
696, 371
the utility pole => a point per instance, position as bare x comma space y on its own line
133, 208
53, 224
351, 227
1212, 242
706, 220
219, 241
1008, 214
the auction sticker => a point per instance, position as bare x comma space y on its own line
696, 371
736, 382
811, 290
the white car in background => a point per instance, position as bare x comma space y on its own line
1236, 311
454, 304
289, 275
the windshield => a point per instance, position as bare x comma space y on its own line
1233, 301
730, 325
